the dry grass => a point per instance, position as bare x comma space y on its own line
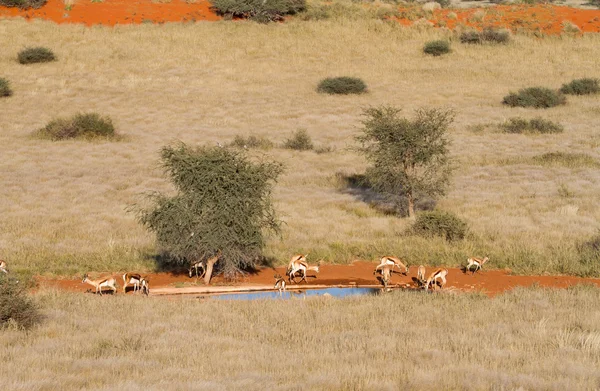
63, 208
526, 339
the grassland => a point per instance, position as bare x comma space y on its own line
63, 208
525, 339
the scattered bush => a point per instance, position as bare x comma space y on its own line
23, 4
5, 87
589, 252
251, 142
87, 126
262, 11
494, 35
585, 86
35, 55
15, 307
440, 223
538, 97
471, 36
300, 141
535, 125
342, 85
437, 48
567, 159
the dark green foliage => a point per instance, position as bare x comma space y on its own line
35, 55
585, 86
222, 203
23, 4
491, 35
535, 125
86, 126
440, 223
538, 97
409, 158
262, 11
437, 48
342, 85
15, 306
251, 142
443, 3
5, 87
300, 141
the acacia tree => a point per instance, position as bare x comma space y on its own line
408, 158
221, 210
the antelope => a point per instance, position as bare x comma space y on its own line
477, 262
196, 266
386, 274
421, 274
393, 261
145, 286
298, 264
101, 283
133, 278
3, 267
439, 273
279, 283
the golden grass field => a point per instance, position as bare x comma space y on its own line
63, 208
524, 339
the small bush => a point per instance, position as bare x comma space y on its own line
342, 85
535, 125
439, 223
538, 97
35, 55
252, 142
5, 87
262, 11
87, 126
493, 35
471, 36
23, 4
15, 307
300, 141
437, 48
584, 86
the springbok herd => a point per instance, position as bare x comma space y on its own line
298, 267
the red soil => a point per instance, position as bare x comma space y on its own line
544, 18
358, 273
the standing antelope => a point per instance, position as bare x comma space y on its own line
101, 283
145, 286
132, 279
386, 273
195, 266
3, 267
298, 264
279, 284
421, 274
393, 261
477, 262
438, 274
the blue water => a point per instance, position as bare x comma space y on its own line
335, 292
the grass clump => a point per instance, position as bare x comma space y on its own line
537, 97
440, 223
23, 4
252, 142
436, 48
342, 85
488, 35
35, 55
262, 11
83, 125
567, 159
15, 307
535, 125
300, 141
5, 87
585, 86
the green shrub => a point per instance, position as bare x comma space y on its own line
538, 97
342, 85
16, 307
35, 55
259, 10
585, 86
300, 141
535, 125
87, 126
470, 36
494, 35
251, 142
440, 223
5, 87
437, 48
23, 4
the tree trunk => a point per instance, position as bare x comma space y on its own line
411, 205
210, 263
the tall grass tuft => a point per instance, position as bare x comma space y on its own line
436, 48
535, 125
300, 141
342, 85
262, 11
585, 86
84, 126
537, 97
35, 55
5, 87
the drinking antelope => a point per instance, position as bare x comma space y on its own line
393, 261
101, 283
195, 266
421, 274
298, 264
477, 262
132, 279
279, 284
438, 274
386, 274
3, 267
145, 286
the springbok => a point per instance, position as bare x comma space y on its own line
279, 284
101, 283
393, 261
3, 267
132, 279
386, 274
195, 266
145, 286
438, 274
298, 264
477, 262
421, 274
